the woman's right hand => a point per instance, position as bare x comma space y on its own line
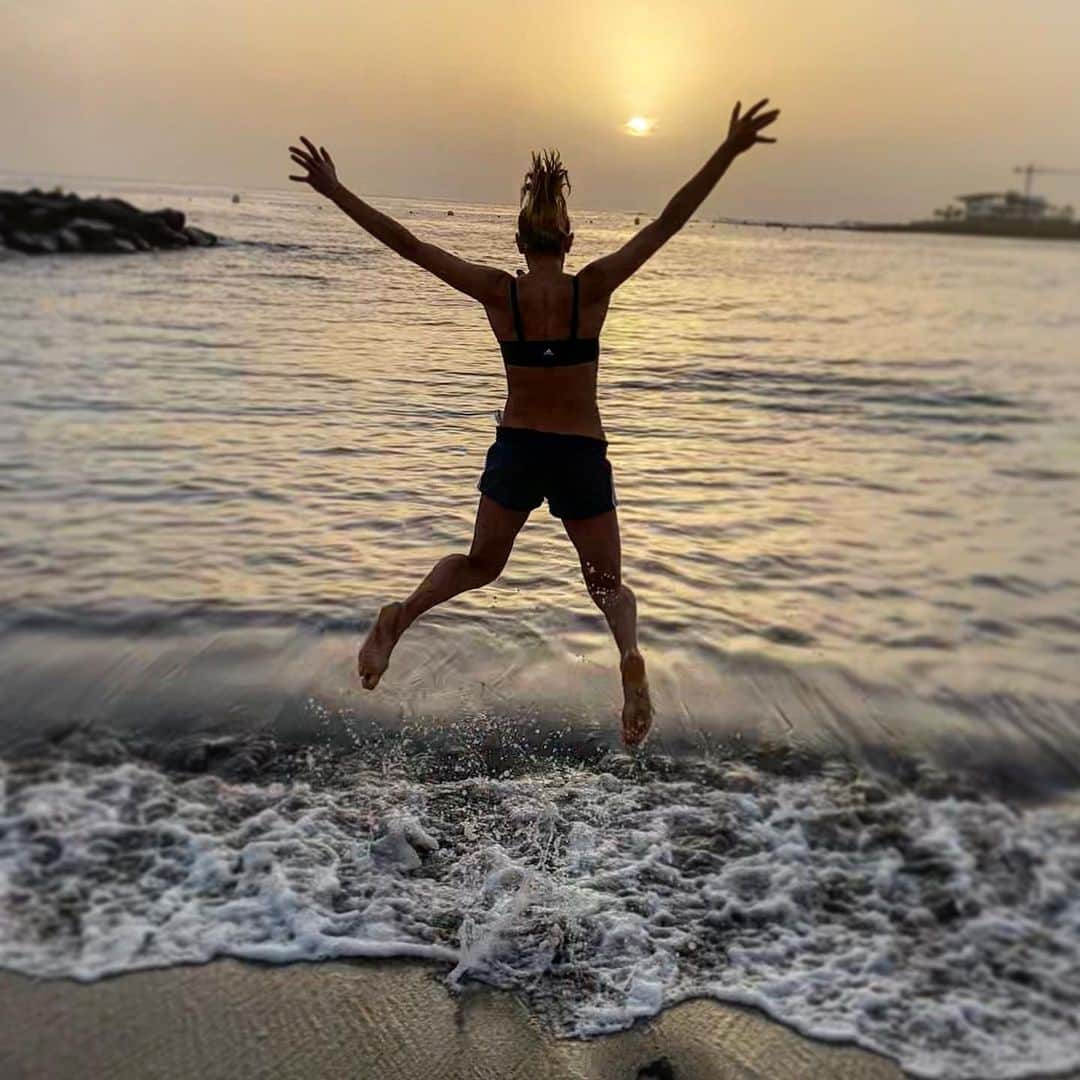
743, 130
321, 174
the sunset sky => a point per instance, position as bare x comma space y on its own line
890, 106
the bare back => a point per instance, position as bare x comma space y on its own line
559, 399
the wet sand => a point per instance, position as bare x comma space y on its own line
385, 1020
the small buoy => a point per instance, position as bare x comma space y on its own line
637, 221
449, 213
236, 198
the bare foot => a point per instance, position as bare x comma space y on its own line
379, 644
637, 713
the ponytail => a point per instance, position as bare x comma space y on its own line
543, 222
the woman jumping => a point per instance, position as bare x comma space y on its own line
550, 442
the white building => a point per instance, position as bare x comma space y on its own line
1011, 205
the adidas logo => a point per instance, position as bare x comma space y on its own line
548, 352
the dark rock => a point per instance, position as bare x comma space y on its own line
42, 223
158, 233
90, 231
68, 240
199, 237
173, 218
102, 238
32, 243
115, 210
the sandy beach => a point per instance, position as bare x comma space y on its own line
371, 1019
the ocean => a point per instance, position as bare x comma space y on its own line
848, 471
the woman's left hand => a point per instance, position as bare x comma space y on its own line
321, 174
744, 131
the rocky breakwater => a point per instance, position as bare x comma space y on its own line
51, 223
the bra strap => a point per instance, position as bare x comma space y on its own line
519, 329
574, 311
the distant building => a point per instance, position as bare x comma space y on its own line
993, 213
1009, 206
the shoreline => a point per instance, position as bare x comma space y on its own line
384, 1019
1008, 230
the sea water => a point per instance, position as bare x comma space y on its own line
849, 499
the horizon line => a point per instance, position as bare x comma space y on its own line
286, 188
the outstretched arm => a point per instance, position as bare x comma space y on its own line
483, 283
605, 275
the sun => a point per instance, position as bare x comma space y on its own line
639, 125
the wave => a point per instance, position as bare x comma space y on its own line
917, 918
165, 671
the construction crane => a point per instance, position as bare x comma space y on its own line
1030, 170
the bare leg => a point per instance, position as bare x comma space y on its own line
598, 547
493, 538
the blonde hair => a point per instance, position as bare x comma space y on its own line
543, 221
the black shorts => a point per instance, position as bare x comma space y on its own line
572, 472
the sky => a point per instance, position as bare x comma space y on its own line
890, 107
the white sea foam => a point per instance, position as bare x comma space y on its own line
945, 933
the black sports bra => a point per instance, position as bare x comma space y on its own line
549, 352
